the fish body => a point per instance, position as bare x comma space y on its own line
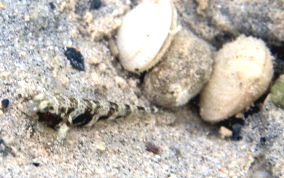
61, 112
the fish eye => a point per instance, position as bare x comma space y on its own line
46, 109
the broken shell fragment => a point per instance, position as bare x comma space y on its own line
181, 74
241, 74
145, 34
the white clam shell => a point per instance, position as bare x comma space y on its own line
144, 34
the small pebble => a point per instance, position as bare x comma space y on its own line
262, 140
102, 67
36, 164
236, 131
5, 103
95, 4
224, 132
52, 6
152, 148
101, 147
76, 58
120, 82
88, 17
165, 118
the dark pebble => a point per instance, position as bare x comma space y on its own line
52, 6
262, 140
75, 57
95, 4
236, 128
5, 103
36, 164
152, 148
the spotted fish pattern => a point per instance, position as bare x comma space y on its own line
62, 112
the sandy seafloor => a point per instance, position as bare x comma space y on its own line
32, 41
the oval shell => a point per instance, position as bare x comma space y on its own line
242, 72
145, 35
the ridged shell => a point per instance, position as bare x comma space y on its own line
144, 34
242, 72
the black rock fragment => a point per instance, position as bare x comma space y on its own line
262, 140
35, 164
236, 128
75, 57
52, 6
95, 4
5, 103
